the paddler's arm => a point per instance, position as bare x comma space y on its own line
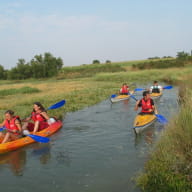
153, 105
137, 105
45, 115
18, 124
2, 124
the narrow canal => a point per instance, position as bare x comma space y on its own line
95, 151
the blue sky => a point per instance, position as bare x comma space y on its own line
82, 31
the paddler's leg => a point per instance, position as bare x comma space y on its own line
6, 138
36, 127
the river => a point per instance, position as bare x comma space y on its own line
95, 151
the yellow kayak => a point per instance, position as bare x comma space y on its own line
143, 121
156, 95
116, 98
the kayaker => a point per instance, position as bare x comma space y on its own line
146, 103
39, 116
124, 89
155, 88
12, 126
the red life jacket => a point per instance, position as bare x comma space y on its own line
124, 89
10, 125
37, 117
146, 105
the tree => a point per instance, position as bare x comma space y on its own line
2, 72
108, 61
182, 55
23, 69
96, 61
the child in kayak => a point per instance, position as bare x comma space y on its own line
155, 88
146, 104
12, 126
124, 89
39, 116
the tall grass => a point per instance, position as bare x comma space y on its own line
23, 90
78, 94
88, 70
173, 75
170, 165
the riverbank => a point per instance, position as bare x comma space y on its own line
169, 167
78, 92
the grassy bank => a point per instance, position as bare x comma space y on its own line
78, 92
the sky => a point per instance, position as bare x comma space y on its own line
80, 31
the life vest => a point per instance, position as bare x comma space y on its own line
37, 117
124, 89
155, 89
10, 125
146, 105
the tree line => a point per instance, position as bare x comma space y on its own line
41, 66
182, 59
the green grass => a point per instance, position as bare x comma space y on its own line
23, 90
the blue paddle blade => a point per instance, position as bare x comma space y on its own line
2, 128
139, 89
168, 87
113, 96
57, 105
39, 138
161, 119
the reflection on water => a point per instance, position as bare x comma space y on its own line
96, 150
149, 135
42, 151
15, 160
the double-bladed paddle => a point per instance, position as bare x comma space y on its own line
142, 89
35, 137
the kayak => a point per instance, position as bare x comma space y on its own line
13, 145
156, 95
143, 121
116, 98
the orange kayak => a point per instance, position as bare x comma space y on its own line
13, 145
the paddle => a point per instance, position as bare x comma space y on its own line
113, 96
168, 87
57, 105
165, 87
35, 137
139, 89
160, 118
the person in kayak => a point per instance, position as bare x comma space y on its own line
124, 89
146, 104
12, 126
155, 88
39, 116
